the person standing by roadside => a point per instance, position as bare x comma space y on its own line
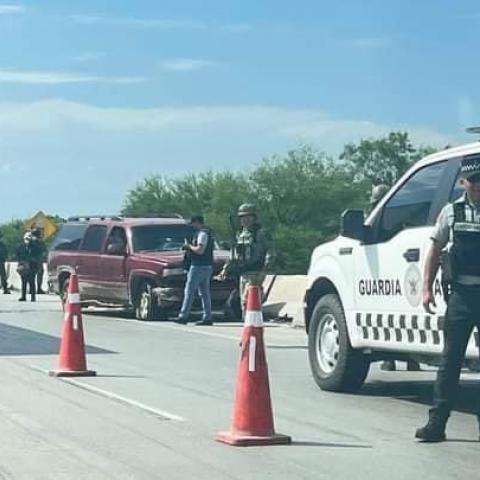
28, 258
253, 253
38, 237
458, 230
3, 272
200, 272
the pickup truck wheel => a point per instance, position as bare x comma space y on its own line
335, 365
145, 308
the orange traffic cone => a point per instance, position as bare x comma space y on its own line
72, 361
253, 417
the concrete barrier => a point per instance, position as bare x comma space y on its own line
284, 297
14, 279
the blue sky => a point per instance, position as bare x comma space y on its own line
97, 94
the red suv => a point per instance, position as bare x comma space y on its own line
135, 263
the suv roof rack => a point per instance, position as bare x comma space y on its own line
156, 215
86, 218
473, 130
119, 218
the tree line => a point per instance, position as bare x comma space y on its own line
300, 195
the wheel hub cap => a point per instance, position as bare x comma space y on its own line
328, 344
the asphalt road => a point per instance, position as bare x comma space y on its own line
164, 390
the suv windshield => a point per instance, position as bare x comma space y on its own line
160, 238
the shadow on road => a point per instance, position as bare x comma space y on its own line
307, 443
22, 341
468, 397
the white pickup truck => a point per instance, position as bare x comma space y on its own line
364, 295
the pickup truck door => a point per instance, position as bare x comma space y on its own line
389, 268
87, 266
113, 282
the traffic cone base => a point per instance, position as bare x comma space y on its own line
70, 373
250, 441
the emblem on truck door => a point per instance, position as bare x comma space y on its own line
412, 286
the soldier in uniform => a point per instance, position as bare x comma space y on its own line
37, 235
458, 229
252, 255
3, 272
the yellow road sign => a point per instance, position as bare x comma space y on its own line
43, 222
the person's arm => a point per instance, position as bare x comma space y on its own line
432, 264
440, 239
202, 244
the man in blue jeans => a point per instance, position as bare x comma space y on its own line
199, 273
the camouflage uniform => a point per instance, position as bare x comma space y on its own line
253, 254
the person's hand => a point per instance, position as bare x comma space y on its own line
186, 247
428, 301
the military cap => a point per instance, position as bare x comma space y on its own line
247, 209
470, 166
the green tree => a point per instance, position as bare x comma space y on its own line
382, 160
12, 236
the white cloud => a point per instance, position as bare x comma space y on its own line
12, 9
283, 124
88, 57
185, 64
39, 77
137, 22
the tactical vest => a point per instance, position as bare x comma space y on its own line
206, 258
465, 250
244, 249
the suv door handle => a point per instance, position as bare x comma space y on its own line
412, 255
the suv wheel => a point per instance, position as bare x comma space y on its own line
335, 365
64, 291
145, 308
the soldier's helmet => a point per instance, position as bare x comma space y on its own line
378, 192
247, 209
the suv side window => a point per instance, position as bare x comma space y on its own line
69, 237
410, 206
118, 240
94, 238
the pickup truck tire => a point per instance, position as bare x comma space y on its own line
335, 365
145, 308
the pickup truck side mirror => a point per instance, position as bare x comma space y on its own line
352, 225
116, 249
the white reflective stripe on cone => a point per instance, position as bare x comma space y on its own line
254, 318
252, 346
73, 298
75, 322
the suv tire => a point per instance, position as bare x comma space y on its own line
145, 308
335, 365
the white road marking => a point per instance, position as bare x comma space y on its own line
113, 396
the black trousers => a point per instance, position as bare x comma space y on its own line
29, 280
39, 277
3, 276
463, 314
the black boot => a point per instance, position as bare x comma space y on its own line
434, 430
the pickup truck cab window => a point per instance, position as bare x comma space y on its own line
410, 206
94, 238
160, 238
